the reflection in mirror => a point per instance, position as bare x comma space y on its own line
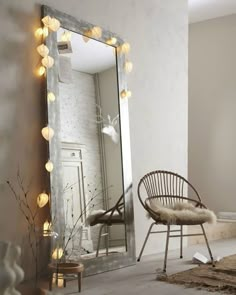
90, 145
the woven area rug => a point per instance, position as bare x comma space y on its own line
221, 278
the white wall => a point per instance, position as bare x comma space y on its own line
109, 102
112, 151
78, 123
157, 32
212, 105
159, 106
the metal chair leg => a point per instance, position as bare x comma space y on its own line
50, 281
99, 239
107, 241
145, 241
167, 245
181, 241
208, 246
79, 281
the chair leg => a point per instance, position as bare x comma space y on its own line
181, 241
107, 241
208, 246
167, 245
99, 239
50, 281
79, 281
145, 241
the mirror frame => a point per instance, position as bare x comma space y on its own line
116, 260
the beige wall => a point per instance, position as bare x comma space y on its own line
212, 105
157, 32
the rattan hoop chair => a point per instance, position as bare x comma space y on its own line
112, 216
166, 189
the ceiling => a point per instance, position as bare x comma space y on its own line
91, 57
200, 10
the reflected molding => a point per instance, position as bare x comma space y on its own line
116, 260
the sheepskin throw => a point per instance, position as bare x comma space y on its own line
181, 213
93, 215
97, 213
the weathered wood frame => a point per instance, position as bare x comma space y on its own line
117, 260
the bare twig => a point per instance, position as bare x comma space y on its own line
74, 229
30, 217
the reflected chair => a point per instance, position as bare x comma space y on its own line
163, 194
114, 215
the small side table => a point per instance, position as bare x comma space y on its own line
66, 268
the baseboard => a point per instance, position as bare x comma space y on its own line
220, 230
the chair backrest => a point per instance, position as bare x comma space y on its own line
163, 184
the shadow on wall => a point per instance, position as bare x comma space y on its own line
22, 115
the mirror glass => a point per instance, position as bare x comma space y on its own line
90, 146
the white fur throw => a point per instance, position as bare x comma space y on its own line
96, 213
182, 213
93, 215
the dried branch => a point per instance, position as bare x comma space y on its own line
22, 199
74, 229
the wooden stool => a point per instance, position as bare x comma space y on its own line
66, 268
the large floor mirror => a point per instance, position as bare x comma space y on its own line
91, 183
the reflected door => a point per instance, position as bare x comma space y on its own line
74, 193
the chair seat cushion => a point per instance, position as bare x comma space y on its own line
181, 213
95, 214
